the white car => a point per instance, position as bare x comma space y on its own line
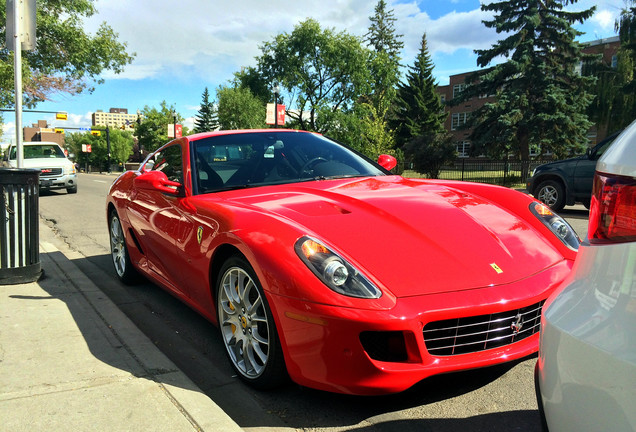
56, 170
586, 372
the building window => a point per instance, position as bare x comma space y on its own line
463, 148
458, 119
614, 61
458, 89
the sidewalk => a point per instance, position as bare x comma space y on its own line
70, 360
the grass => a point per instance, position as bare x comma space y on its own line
513, 179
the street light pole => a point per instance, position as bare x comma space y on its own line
17, 64
108, 148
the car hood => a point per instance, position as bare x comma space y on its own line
562, 162
45, 163
411, 236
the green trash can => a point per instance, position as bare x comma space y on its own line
19, 226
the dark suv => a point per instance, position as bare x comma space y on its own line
568, 181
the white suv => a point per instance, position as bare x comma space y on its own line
57, 172
586, 372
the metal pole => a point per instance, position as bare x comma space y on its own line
18, 81
108, 147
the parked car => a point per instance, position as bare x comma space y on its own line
586, 372
318, 263
56, 170
568, 181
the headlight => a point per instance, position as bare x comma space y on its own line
334, 271
556, 224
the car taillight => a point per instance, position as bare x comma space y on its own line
613, 209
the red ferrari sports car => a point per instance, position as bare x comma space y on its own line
320, 265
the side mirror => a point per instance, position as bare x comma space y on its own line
387, 162
157, 181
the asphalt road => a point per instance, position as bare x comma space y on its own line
494, 399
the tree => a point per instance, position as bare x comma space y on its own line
615, 90
206, 118
375, 136
250, 78
239, 109
66, 58
152, 131
430, 151
418, 108
322, 72
121, 146
384, 62
381, 35
540, 98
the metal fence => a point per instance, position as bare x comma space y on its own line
504, 173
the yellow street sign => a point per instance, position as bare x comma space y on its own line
96, 133
61, 116
58, 130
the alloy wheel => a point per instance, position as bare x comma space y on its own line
118, 246
244, 323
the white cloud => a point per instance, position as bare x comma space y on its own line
203, 35
605, 19
211, 39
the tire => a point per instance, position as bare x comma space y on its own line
72, 190
247, 326
119, 251
552, 194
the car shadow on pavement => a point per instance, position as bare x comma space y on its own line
110, 338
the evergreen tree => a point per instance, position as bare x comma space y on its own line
418, 108
384, 63
540, 98
429, 152
381, 35
206, 119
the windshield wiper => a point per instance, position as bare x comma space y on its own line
343, 176
228, 188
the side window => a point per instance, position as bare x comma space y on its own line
170, 161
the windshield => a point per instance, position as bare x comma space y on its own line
266, 158
39, 151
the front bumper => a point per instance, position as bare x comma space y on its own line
329, 347
66, 181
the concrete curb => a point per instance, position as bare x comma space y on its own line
87, 362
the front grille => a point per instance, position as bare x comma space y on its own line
483, 332
50, 172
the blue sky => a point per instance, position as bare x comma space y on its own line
183, 47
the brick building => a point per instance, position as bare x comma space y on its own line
457, 115
41, 131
